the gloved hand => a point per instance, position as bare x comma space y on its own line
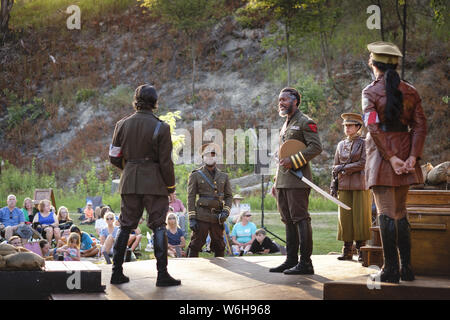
337, 169
222, 216
193, 224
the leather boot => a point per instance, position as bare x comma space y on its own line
388, 230
404, 246
306, 245
120, 246
347, 253
291, 249
160, 248
359, 244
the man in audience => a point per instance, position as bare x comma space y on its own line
11, 216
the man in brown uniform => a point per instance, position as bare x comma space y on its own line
213, 205
142, 148
292, 194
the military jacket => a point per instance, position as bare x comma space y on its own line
203, 200
352, 154
299, 127
146, 161
383, 143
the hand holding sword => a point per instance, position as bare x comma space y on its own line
291, 147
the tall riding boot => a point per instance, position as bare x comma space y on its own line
291, 249
347, 253
404, 246
120, 246
388, 230
160, 248
306, 246
359, 244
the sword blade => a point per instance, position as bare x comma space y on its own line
323, 193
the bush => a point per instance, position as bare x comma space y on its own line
85, 94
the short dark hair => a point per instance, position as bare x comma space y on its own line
42, 243
75, 228
145, 97
293, 92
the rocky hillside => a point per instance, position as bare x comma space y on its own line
62, 91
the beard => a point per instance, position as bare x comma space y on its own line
285, 112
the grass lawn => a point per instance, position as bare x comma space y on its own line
324, 232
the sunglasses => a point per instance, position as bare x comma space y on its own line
109, 218
248, 215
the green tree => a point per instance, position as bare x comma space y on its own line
190, 17
288, 13
5, 10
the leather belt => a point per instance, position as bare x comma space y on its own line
141, 161
393, 127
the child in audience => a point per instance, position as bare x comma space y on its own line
88, 214
72, 249
262, 244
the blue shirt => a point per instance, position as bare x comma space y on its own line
174, 239
242, 233
105, 232
86, 241
11, 218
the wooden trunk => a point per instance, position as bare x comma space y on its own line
429, 216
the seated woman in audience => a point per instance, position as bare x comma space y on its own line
100, 222
64, 220
243, 234
87, 249
108, 235
45, 221
71, 251
175, 237
263, 244
28, 210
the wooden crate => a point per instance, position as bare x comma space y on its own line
429, 216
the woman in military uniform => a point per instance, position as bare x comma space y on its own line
348, 169
397, 129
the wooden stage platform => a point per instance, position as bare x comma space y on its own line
248, 278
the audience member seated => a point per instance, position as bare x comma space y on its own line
46, 223
46, 251
100, 222
179, 210
71, 251
263, 244
11, 217
243, 234
28, 210
235, 210
175, 237
64, 220
135, 239
87, 249
17, 242
108, 235
88, 214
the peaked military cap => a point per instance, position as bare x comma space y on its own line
384, 52
352, 118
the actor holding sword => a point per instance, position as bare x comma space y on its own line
291, 193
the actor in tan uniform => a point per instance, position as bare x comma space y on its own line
212, 208
397, 129
292, 194
348, 168
142, 147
